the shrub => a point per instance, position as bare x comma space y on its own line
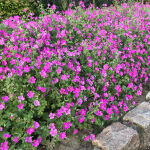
63, 74
10, 8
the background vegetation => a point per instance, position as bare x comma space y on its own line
10, 8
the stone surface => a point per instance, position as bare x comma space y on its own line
117, 137
140, 116
148, 96
73, 143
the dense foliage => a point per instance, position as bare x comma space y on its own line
10, 8
60, 74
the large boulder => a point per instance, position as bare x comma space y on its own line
117, 137
140, 116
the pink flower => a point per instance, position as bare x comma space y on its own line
105, 67
20, 98
67, 125
15, 139
81, 119
92, 137
83, 112
35, 143
5, 98
43, 74
26, 68
59, 70
30, 130
36, 124
56, 80
6, 135
70, 89
63, 77
59, 113
43, 89
52, 125
32, 80
53, 132
51, 115
93, 120
86, 138
126, 107
79, 102
75, 131
107, 117
53, 7
130, 85
30, 94
1, 129
139, 93
4, 146
20, 106
36, 103
111, 98
28, 139
62, 135
2, 106
63, 91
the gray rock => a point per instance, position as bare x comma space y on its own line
72, 143
117, 137
148, 96
140, 116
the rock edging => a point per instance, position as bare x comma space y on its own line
132, 134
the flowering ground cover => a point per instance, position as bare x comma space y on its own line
60, 74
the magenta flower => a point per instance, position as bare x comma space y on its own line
36, 124
30, 94
75, 131
86, 138
15, 139
4, 146
53, 132
26, 68
83, 112
56, 80
36, 103
6, 135
43, 74
81, 119
51, 115
1, 129
53, 7
93, 120
62, 135
5, 98
28, 139
20, 106
2, 106
105, 67
30, 130
59, 113
20, 98
92, 137
59, 70
63, 77
43, 89
35, 143
32, 80
67, 125
139, 93
52, 125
